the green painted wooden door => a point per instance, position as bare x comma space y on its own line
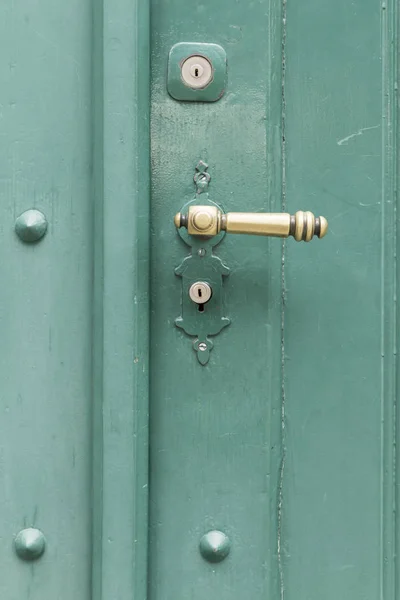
116, 443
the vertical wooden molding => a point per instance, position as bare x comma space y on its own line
389, 328
275, 127
121, 200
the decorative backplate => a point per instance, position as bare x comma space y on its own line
202, 320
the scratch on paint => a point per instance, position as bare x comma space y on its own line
352, 135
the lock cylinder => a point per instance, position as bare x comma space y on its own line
200, 292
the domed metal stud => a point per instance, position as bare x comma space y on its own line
215, 546
31, 226
30, 544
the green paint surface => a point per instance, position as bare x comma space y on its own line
114, 441
46, 297
215, 430
338, 527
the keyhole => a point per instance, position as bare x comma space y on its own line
196, 72
200, 295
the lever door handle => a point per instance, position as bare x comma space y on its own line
208, 221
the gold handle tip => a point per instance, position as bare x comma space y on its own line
177, 220
304, 226
323, 228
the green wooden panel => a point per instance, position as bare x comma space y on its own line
215, 430
316, 519
74, 308
340, 328
46, 296
286, 439
121, 89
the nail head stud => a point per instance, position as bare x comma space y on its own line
215, 546
31, 226
30, 544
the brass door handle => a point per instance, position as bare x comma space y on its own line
208, 221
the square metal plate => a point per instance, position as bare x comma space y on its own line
212, 91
